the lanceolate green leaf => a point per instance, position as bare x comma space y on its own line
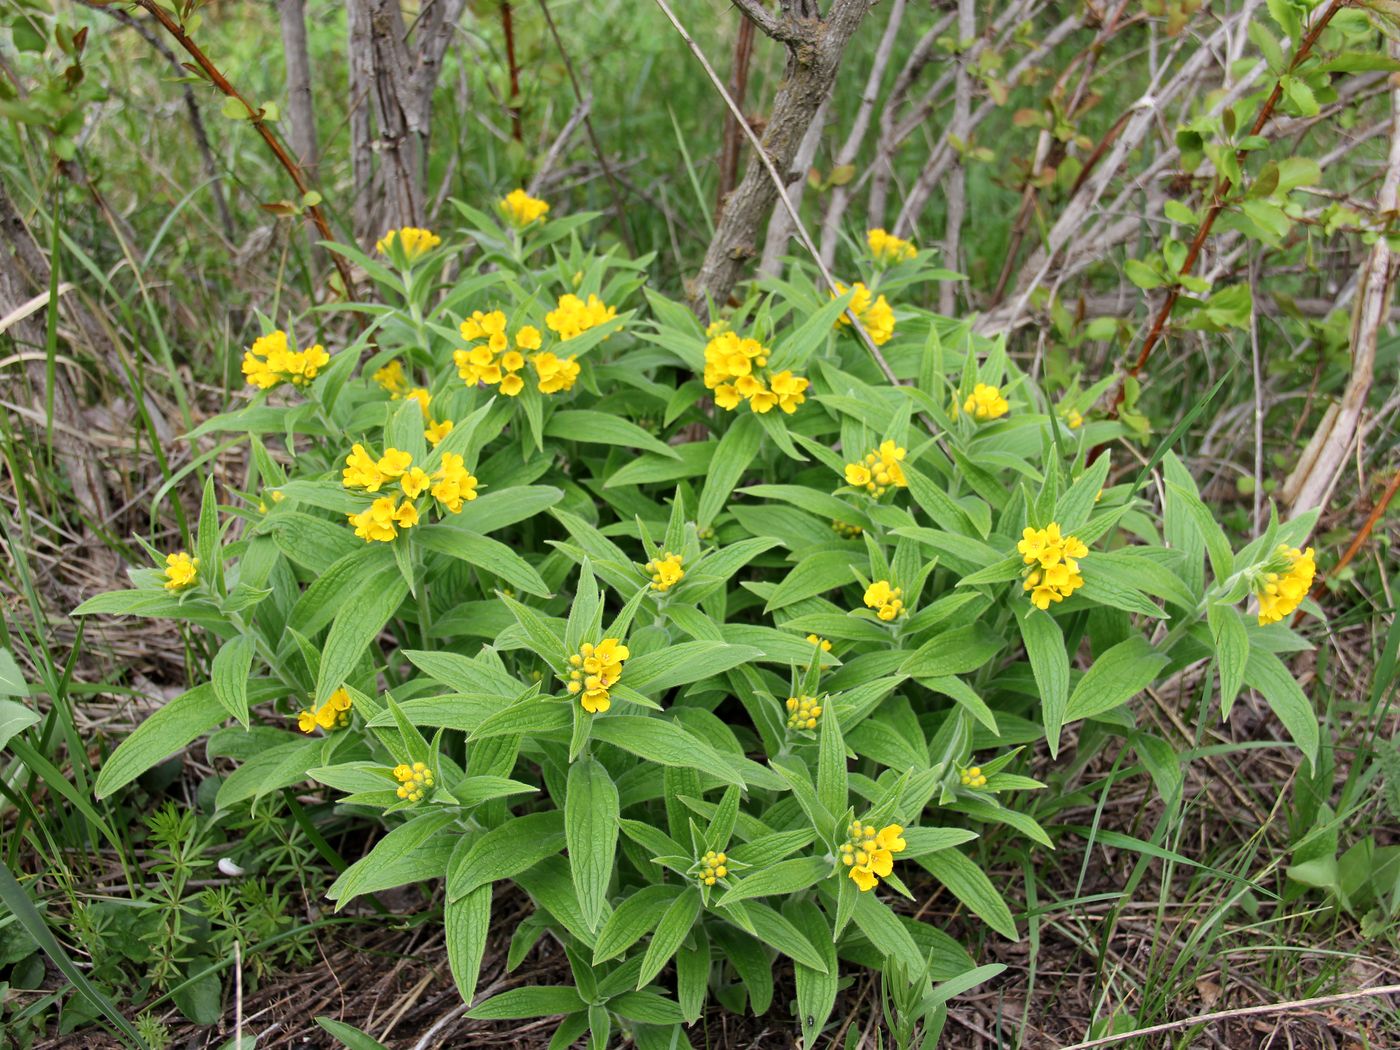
1266, 672
1115, 678
670, 932
354, 628
466, 922
590, 829
1045, 647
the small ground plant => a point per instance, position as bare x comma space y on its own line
711, 640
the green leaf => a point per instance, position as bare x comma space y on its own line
206, 546
816, 991
783, 878
590, 832
1115, 678
353, 630
522, 1003
634, 918
349, 1035
684, 663
815, 574
1045, 648
675, 924
970, 884
487, 554
831, 766
504, 851
959, 651
732, 456
1222, 561
1266, 672
229, 675
663, 741
15, 718
602, 428
1231, 639
466, 922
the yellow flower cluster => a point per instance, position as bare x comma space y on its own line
887, 248
555, 373
665, 571
414, 781
271, 360
1283, 584
492, 360
391, 378
731, 365
412, 241
876, 317
595, 669
712, 866
180, 571
870, 854
845, 529
1073, 418
1055, 557
573, 316
333, 714
973, 777
822, 643
522, 209
985, 403
884, 599
803, 712
451, 485
878, 470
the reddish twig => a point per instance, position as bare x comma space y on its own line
738, 88
1359, 540
1222, 188
508, 26
254, 118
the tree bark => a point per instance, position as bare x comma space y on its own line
814, 49
296, 60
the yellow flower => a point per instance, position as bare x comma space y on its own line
180, 571
857, 475
1281, 583
521, 209
870, 854
555, 373
593, 671
383, 518
361, 471
823, 643
885, 600
271, 360
986, 403
973, 777
887, 248
413, 241
333, 714
1073, 419
394, 462
414, 781
879, 470
711, 867
665, 572
414, 482
435, 432
574, 316
790, 390
877, 318
1056, 560
453, 483
803, 712
392, 379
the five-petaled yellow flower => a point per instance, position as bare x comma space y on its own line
521, 209
412, 241
1056, 560
870, 853
180, 571
885, 600
1281, 583
593, 671
985, 403
333, 714
271, 360
665, 572
877, 318
886, 248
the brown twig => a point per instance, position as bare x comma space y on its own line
1358, 541
255, 119
508, 27
738, 87
1222, 188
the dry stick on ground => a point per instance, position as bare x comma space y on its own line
1218, 199
1322, 461
775, 243
255, 119
955, 193
1358, 541
814, 49
517, 130
624, 226
297, 62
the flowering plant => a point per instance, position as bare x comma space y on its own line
507, 576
